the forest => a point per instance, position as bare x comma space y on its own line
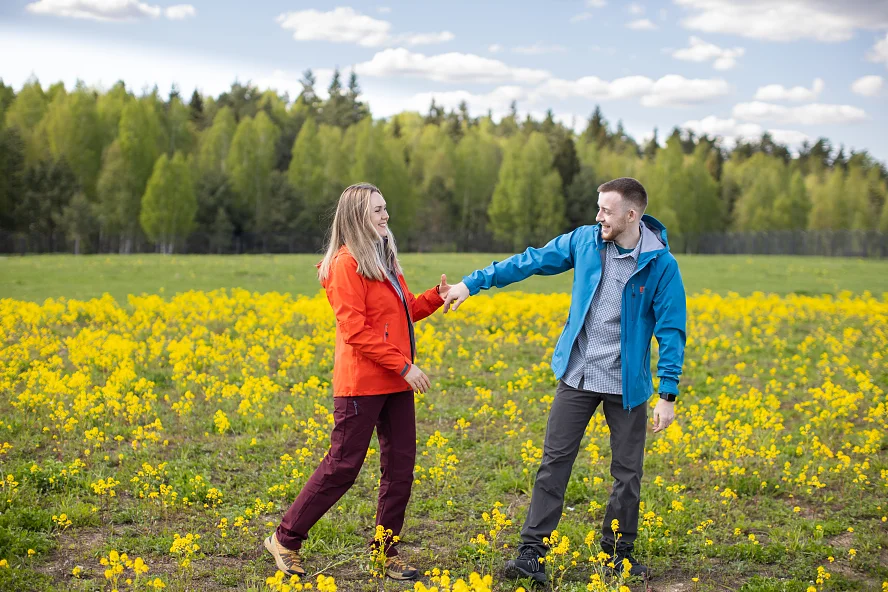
87, 170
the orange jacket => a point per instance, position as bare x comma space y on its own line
372, 336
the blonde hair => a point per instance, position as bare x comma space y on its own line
352, 227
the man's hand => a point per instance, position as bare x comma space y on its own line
456, 296
443, 287
417, 379
664, 414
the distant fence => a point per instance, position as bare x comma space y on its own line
828, 243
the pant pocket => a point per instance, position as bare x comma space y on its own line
342, 413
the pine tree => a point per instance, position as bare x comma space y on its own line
581, 201
650, 149
597, 130
196, 110
12, 169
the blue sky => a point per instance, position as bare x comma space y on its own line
800, 69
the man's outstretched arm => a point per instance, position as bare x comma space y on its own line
557, 256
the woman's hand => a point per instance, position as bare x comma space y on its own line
417, 379
444, 287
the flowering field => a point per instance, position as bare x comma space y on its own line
152, 445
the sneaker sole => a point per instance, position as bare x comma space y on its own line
517, 572
401, 577
278, 560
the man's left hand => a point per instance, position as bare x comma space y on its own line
664, 414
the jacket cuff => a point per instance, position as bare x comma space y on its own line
471, 284
405, 370
668, 386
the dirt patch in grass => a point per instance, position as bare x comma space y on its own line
842, 541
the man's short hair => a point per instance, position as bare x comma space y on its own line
629, 189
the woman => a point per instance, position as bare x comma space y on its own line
374, 376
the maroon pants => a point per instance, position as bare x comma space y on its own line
394, 418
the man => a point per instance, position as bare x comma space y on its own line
626, 288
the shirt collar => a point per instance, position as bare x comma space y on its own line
634, 253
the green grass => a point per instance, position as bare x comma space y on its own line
245, 463
36, 278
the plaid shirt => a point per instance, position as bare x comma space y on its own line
597, 361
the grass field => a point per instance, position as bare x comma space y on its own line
36, 278
138, 425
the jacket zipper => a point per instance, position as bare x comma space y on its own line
386, 331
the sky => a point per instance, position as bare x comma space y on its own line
799, 69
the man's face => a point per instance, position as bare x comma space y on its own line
613, 214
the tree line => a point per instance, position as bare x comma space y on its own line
113, 168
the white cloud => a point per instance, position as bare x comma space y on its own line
778, 92
730, 130
424, 38
109, 10
675, 90
671, 90
635, 8
596, 3
820, 20
495, 48
879, 52
345, 25
868, 86
714, 126
56, 57
701, 51
641, 25
813, 114
180, 12
583, 16
539, 49
447, 67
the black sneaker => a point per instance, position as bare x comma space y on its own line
636, 569
527, 565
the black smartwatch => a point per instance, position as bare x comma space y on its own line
669, 397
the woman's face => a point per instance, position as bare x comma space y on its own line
378, 214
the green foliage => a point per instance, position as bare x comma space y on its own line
74, 133
249, 162
527, 205
169, 204
452, 181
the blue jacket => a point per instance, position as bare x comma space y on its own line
653, 302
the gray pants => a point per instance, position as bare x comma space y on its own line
571, 411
